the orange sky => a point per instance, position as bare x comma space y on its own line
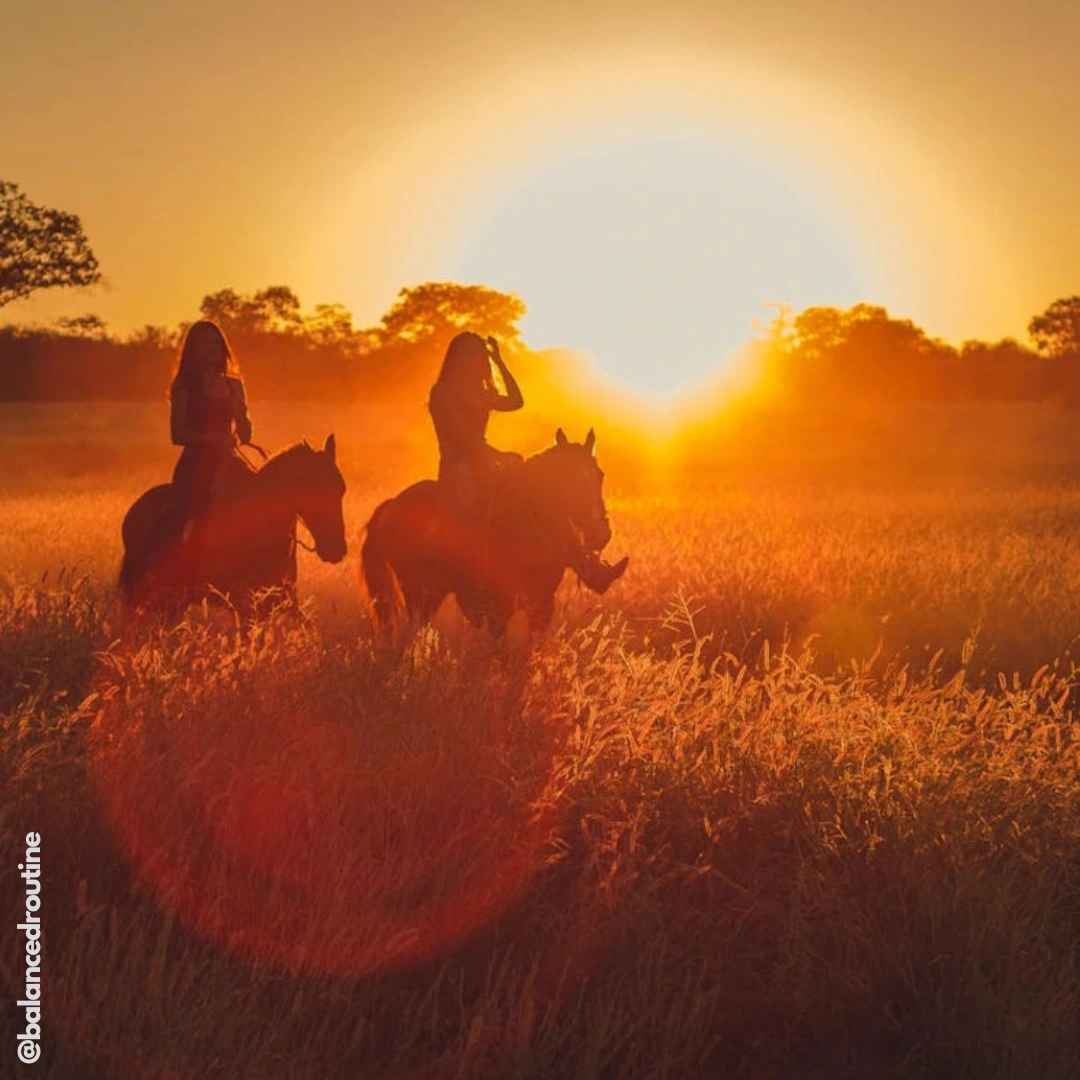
350, 149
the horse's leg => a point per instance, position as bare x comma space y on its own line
540, 609
291, 573
422, 603
498, 611
473, 605
539, 598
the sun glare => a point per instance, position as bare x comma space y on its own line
656, 256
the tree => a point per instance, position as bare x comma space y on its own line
277, 309
432, 313
861, 352
1056, 332
89, 327
158, 338
273, 310
40, 248
331, 326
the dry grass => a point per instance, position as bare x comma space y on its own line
799, 797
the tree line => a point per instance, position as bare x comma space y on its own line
283, 351
861, 353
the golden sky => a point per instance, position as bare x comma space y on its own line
349, 149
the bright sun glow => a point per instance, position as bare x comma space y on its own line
656, 256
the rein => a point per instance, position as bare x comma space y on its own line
254, 446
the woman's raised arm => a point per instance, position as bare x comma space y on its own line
512, 399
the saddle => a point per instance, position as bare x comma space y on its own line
233, 479
231, 482
473, 497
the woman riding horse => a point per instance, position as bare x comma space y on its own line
461, 402
253, 556
207, 417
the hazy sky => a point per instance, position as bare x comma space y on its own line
349, 149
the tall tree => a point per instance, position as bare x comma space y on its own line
40, 248
860, 351
1056, 332
434, 312
273, 310
331, 326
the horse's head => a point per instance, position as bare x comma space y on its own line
580, 486
320, 490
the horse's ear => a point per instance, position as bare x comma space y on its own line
306, 443
330, 447
590, 440
560, 437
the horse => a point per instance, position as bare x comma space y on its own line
247, 545
417, 549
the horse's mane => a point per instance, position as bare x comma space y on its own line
541, 477
283, 463
541, 466
549, 452
291, 450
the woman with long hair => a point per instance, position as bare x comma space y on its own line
208, 416
461, 403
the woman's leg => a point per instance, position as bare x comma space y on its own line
185, 483
594, 572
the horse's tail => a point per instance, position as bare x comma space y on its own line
379, 577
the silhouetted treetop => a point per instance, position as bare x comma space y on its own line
40, 248
1056, 332
434, 312
820, 354
273, 310
817, 332
331, 326
91, 327
863, 352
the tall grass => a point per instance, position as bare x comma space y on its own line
799, 797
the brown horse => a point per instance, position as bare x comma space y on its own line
511, 557
247, 545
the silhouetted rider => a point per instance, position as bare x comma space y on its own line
461, 403
208, 416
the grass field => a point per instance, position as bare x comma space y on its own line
799, 797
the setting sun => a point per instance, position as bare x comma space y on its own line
656, 256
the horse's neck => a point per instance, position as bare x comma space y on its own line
277, 485
535, 500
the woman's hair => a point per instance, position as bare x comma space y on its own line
466, 365
187, 367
